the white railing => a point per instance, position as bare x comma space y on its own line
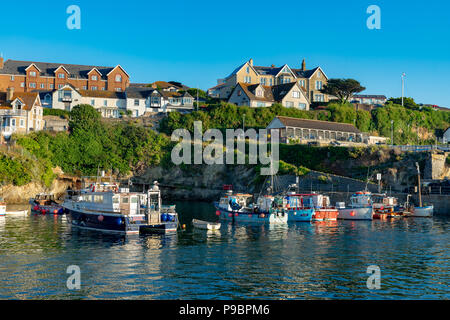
13, 112
421, 148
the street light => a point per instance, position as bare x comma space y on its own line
403, 86
392, 132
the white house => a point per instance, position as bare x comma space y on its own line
290, 95
446, 136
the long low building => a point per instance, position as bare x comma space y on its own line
306, 129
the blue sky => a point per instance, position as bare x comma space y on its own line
197, 42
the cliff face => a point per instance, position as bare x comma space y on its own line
18, 195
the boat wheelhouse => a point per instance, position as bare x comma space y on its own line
239, 207
309, 207
45, 203
106, 207
360, 208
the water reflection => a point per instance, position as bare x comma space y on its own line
301, 260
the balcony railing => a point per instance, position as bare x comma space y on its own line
10, 112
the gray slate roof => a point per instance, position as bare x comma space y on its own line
48, 69
318, 124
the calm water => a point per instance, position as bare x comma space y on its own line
298, 261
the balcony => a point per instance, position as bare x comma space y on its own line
12, 113
66, 99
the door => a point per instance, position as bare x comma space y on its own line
134, 205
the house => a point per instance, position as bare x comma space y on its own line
446, 136
305, 129
290, 95
140, 100
27, 76
311, 80
20, 112
369, 99
108, 103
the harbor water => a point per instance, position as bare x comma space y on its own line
320, 260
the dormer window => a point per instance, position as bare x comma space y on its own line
118, 78
94, 78
259, 93
61, 76
33, 74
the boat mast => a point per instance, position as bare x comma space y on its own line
418, 178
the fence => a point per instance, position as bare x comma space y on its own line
421, 148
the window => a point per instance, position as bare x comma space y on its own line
12, 78
136, 102
270, 82
61, 76
118, 78
42, 85
103, 88
295, 94
94, 88
94, 78
239, 92
260, 104
47, 97
248, 70
32, 85
319, 74
259, 93
51, 86
118, 89
319, 85
263, 81
247, 79
33, 74
84, 87
105, 103
22, 84
22, 123
289, 104
319, 98
92, 102
98, 198
155, 100
302, 106
60, 86
125, 200
301, 83
13, 122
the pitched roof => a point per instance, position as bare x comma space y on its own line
318, 124
27, 98
274, 93
48, 69
138, 92
369, 96
102, 94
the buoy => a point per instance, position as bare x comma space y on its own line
36, 208
352, 213
217, 213
55, 211
236, 214
100, 218
184, 226
230, 215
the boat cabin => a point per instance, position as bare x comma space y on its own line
45, 199
235, 202
383, 201
313, 200
361, 199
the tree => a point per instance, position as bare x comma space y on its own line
84, 117
343, 89
407, 103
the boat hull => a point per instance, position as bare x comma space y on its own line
46, 209
422, 212
250, 217
112, 223
205, 225
300, 214
364, 213
325, 214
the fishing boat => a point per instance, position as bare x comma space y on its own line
420, 211
105, 207
44, 203
205, 225
239, 207
17, 213
360, 207
309, 207
385, 206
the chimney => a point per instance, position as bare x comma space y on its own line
273, 66
1, 63
303, 65
250, 62
9, 93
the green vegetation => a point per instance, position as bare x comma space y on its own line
407, 121
93, 143
56, 112
343, 89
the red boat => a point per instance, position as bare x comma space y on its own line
45, 204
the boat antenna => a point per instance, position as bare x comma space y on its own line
418, 179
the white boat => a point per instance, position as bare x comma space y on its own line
2, 207
422, 211
360, 208
205, 225
17, 213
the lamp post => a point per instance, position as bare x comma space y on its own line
403, 86
392, 132
243, 122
